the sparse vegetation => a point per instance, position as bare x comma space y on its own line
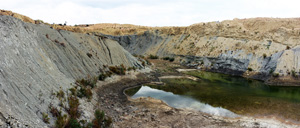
39, 22
212, 49
148, 62
102, 76
276, 74
131, 68
119, 70
45, 118
90, 81
250, 69
73, 110
70, 119
54, 111
89, 55
143, 63
61, 121
264, 55
294, 73
288, 47
47, 36
83, 87
56, 41
166, 58
152, 56
60, 94
271, 71
171, 59
60, 43
85, 92
101, 121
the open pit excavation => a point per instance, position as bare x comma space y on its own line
235, 73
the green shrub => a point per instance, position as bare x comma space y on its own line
131, 68
148, 62
85, 92
73, 123
101, 121
152, 56
45, 118
54, 111
39, 22
264, 55
90, 81
61, 121
102, 76
119, 70
143, 63
275, 74
108, 73
271, 71
294, 73
250, 69
60, 94
171, 59
73, 107
166, 58
141, 56
73, 91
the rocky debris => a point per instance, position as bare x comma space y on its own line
112, 98
11, 122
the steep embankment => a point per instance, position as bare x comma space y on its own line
37, 60
261, 48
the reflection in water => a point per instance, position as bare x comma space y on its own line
223, 92
179, 101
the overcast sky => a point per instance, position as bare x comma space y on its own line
150, 12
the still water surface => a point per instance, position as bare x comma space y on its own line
225, 95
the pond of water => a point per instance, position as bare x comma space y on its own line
225, 95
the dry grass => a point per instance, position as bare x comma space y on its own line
254, 28
16, 15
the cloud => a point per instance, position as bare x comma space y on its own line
150, 13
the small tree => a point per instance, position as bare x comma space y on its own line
264, 55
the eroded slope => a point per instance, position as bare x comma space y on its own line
37, 61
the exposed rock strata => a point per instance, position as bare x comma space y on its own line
258, 56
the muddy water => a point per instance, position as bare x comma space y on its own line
225, 95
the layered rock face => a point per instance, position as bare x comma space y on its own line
37, 61
260, 48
